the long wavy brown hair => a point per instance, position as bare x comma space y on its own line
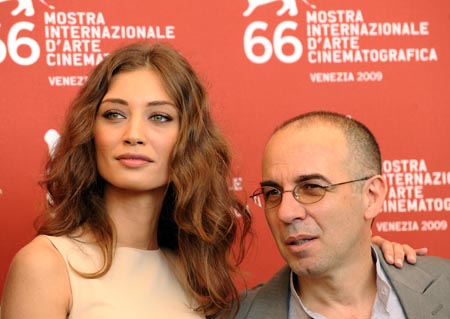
201, 221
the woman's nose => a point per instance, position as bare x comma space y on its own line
134, 133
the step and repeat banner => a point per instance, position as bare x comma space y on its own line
385, 63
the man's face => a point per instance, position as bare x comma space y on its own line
321, 237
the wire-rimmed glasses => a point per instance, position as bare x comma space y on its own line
305, 192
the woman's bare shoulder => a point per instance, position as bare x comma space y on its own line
37, 280
38, 248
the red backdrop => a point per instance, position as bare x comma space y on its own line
383, 62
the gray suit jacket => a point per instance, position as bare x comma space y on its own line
423, 290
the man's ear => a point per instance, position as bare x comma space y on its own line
374, 193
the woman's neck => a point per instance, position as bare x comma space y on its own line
135, 216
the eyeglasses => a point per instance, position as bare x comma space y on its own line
305, 192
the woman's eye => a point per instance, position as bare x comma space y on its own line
113, 115
160, 118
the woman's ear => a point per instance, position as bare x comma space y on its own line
375, 192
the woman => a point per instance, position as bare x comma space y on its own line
140, 222
140, 166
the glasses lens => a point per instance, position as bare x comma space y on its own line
258, 198
272, 196
266, 197
308, 193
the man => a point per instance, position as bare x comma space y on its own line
321, 190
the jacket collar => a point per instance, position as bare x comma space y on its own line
421, 294
272, 300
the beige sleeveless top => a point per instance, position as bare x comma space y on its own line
140, 284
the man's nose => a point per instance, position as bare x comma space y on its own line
290, 209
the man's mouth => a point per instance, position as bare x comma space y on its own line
299, 242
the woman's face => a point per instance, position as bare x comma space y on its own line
135, 131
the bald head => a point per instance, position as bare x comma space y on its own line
363, 151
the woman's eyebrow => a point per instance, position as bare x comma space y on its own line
115, 100
160, 102
124, 102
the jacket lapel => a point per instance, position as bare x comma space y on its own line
272, 299
421, 294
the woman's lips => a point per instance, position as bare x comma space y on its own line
134, 160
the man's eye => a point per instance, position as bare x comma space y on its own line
310, 186
271, 193
310, 189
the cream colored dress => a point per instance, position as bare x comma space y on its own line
140, 284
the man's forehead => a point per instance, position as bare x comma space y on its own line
294, 152
304, 138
